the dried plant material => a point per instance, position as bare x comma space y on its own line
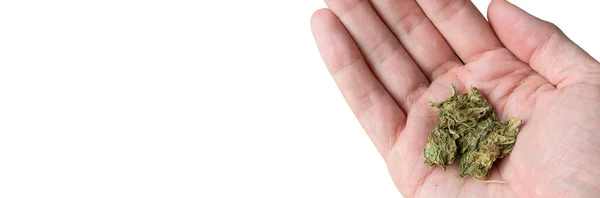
470, 132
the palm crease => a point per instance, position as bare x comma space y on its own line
533, 72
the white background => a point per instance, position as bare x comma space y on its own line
132, 98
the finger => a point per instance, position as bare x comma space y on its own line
541, 44
372, 105
388, 60
417, 34
463, 26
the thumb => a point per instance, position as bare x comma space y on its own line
541, 44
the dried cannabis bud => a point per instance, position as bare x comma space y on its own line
469, 131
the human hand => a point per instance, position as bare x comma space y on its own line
525, 67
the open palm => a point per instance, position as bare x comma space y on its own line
391, 57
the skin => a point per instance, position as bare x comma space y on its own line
391, 57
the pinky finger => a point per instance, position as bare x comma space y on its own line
376, 110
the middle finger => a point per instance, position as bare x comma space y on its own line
418, 35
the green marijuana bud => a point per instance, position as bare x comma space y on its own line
469, 131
